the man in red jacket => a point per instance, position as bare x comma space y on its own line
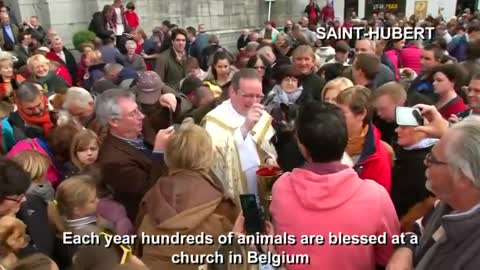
62, 55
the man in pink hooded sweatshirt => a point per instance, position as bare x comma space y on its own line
327, 198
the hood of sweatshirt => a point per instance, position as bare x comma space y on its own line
323, 186
163, 200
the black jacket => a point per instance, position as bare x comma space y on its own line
71, 65
408, 179
313, 84
33, 213
384, 59
98, 26
242, 42
194, 50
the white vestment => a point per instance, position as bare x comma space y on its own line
238, 158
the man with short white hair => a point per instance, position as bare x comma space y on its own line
447, 238
131, 154
62, 55
132, 59
80, 104
110, 79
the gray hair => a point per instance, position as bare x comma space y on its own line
213, 39
263, 50
252, 46
106, 105
27, 92
463, 153
130, 43
112, 68
77, 96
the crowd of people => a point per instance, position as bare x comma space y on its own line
160, 135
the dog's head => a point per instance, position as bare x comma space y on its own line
284, 117
13, 236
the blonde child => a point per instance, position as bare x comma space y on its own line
74, 214
36, 164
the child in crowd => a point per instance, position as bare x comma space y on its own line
9, 81
84, 153
131, 16
36, 164
84, 149
75, 212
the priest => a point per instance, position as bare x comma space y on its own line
241, 131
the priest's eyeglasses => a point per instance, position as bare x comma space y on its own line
250, 96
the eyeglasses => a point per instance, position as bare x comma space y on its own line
250, 96
430, 160
19, 199
135, 114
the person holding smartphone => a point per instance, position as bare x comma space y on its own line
408, 172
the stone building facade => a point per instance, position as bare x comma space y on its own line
226, 18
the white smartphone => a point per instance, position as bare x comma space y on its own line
408, 116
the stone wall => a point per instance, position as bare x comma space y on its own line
223, 17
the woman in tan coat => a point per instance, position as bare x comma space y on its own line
186, 202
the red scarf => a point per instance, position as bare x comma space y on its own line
44, 121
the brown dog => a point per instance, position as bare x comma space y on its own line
419, 210
12, 238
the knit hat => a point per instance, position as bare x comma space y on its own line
149, 87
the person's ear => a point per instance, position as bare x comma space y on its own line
361, 116
77, 211
113, 122
231, 92
462, 182
303, 149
